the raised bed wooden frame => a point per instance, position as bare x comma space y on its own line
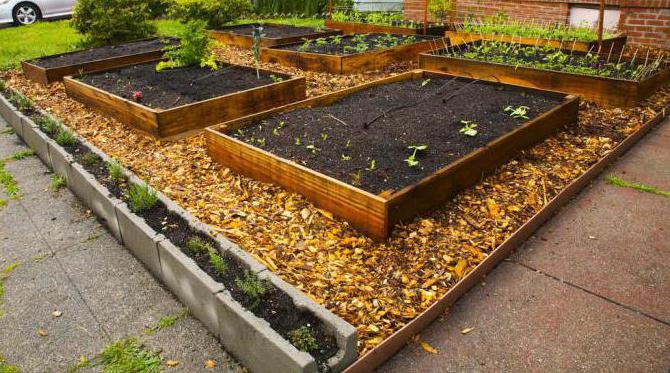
350, 63
377, 214
615, 43
45, 75
605, 91
366, 28
246, 41
187, 119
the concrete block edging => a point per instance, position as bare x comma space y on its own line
248, 337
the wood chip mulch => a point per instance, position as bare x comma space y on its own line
377, 287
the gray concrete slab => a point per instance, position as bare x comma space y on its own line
32, 293
18, 241
525, 321
60, 216
31, 175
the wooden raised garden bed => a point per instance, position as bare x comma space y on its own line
341, 57
606, 91
347, 157
364, 28
180, 101
615, 44
273, 34
51, 69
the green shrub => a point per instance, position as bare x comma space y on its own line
194, 48
158, 8
303, 339
141, 197
65, 138
112, 21
253, 287
115, 171
215, 13
58, 182
49, 125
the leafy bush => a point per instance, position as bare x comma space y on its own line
216, 13
141, 197
303, 339
440, 9
112, 21
194, 48
158, 8
297, 7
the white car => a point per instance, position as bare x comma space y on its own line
22, 12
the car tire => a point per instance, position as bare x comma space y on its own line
26, 14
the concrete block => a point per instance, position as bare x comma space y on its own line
61, 160
11, 114
252, 341
344, 333
79, 182
36, 140
139, 238
103, 204
195, 288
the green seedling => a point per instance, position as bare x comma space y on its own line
303, 339
253, 287
115, 171
65, 138
425, 82
346, 157
411, 160
518, 112
198, 244
468, 128
141, 197
90, 159
217, 262
297, 140
128, 355
313, 149
373, 166
22, 155
276, 79
49, 125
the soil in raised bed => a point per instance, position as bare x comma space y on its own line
176, 87
340, 141
358, 43
101, 53
271, 31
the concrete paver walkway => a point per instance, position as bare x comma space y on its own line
69, 263
589, 293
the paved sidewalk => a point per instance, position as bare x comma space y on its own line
589, 293
69, 264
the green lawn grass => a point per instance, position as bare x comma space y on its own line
47, 38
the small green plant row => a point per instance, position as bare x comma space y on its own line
500, 24
392, 19
358, 43
548, 58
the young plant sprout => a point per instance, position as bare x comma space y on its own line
425, 82
297, 141
261, 142
411, 160
276, 79
517, 113
346, 157
356, 178
324, 136
313, 149
468, 128
373, 166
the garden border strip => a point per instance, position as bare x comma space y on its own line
391, 345
366, 28
45, 76
377, 214
350, 63
248, 337
616, 43
246, 41
187, 119
605, 91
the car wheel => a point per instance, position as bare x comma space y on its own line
26, 14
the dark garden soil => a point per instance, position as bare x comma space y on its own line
353, 44
176, 87
340, 140
276, 307
271, 31
101, 53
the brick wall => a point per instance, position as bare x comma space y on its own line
644, 21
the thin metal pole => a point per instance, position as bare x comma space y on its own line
601, 22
